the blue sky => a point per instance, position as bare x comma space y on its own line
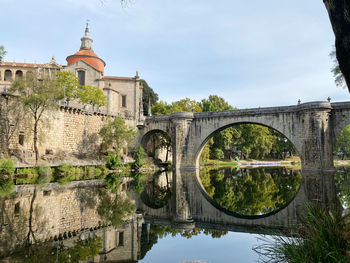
253, 53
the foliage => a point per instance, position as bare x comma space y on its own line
82, 250
138, 155
250, 192
148, 96
320, 238
343, 142
337, 74
44, 174
27, 176
38, 93
3, 53
113, 181
215, 103
67, 83
157, 141
113, 161
6, 187
138, 182
63, 173
115, 135
204, 155
91, 95
184, 105
342, 182
7, 167
162, 108
114, 208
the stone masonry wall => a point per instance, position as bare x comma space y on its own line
65, 134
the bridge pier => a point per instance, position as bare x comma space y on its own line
315, 140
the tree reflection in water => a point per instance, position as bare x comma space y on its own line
342, 183
151, 233
250, 192
156, 189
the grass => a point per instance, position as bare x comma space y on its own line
323, 236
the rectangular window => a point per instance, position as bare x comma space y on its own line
16, 210
21, 138
124, 101
81, 77
121, 239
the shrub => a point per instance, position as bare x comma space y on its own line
90, 172
26, 176
138, 155
113, 181
44, 174
7, 167
320, 238
64, 173
113, 161
6, 187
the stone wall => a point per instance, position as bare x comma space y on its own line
69, 133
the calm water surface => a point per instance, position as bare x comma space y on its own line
82, 221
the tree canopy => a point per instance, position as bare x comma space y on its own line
3, 53
148, 96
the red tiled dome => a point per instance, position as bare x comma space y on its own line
88, 56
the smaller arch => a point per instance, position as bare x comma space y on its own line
8, 75
18, 74
150, 142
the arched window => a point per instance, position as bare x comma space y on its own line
81, 77
19, 74
8, 75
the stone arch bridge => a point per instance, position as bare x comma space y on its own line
312, 127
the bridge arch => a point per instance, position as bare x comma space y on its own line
231, 123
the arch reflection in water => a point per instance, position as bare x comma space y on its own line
253, 191
156, 191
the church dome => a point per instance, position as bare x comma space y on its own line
86, 54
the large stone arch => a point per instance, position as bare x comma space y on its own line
206, 126
201, 146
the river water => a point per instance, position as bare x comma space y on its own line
86, 220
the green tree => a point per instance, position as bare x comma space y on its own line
343, 142
186, 105
148, 96
250, 192
115, 135
68, 83
114, 208
91, 95
138, 155
38, 95
3, 53
161, 108
215, 103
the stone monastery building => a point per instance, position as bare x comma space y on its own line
123, 94
73, 129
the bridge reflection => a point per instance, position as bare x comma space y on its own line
190, 205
